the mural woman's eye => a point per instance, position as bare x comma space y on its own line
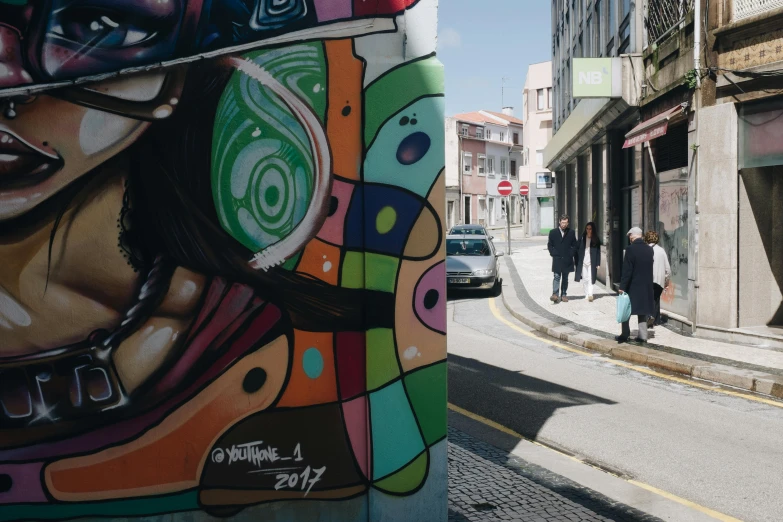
101, 29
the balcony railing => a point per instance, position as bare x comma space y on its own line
662, 17
747, 8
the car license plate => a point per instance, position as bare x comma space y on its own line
459, 280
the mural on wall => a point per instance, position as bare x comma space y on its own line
223, 278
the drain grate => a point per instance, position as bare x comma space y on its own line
484, 506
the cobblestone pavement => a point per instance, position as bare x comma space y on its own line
488, 484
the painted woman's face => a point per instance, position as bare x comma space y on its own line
40, 154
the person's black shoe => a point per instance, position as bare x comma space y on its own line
640, 340
620, 339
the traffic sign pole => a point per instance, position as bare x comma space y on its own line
508, 224
524, 190
504, 189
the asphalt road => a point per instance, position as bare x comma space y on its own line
716, 450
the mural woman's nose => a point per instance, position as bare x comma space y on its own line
12, 71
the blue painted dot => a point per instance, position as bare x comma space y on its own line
313, 363
413, 148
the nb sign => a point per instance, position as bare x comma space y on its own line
590, 78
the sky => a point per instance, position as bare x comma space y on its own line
482, 41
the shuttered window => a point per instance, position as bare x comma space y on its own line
671, 149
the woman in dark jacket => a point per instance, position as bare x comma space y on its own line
588, 259
637, 282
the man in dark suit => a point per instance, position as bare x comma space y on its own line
637, 282
562, 247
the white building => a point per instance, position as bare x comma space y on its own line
537, 114
486, 148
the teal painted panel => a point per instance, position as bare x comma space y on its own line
396, 439
409, 149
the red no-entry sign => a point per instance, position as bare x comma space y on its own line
505, 188
524, 190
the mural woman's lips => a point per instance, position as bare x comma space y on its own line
22, 164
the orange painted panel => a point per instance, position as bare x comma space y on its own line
344, 118
321, 261
313, 377
170, 456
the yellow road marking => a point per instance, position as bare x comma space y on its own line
508, 431
707, 511
494, 309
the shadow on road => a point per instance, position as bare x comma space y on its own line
515, 400
471, 295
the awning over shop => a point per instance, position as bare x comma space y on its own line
654, 127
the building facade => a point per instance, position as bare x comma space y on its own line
537, 113
597, 180
483, 148
695, 151
738, 259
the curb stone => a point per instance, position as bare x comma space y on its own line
758, 382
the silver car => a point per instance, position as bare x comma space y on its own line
471, 262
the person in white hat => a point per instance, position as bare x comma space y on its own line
637, 282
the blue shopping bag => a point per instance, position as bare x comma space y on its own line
623, 308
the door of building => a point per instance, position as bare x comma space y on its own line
467, 215
547, 215
673, 232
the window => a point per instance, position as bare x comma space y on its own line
540, 99
513, 169
549, 98
482, 165
488, 134
479, 132
503, 171
465, 129
502, 136
611, 29
491, 166
625, 39
540, 158
599, 37
516, 134
468, 162
588, 41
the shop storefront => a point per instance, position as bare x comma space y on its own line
656, 196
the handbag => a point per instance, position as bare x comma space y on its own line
623, 308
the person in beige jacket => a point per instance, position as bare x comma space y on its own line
662, 273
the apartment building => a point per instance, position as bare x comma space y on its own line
483, 148
596, 178
537, 115
688, 146
738, 191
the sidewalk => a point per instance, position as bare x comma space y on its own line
528, 285
493, 476
488, 484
